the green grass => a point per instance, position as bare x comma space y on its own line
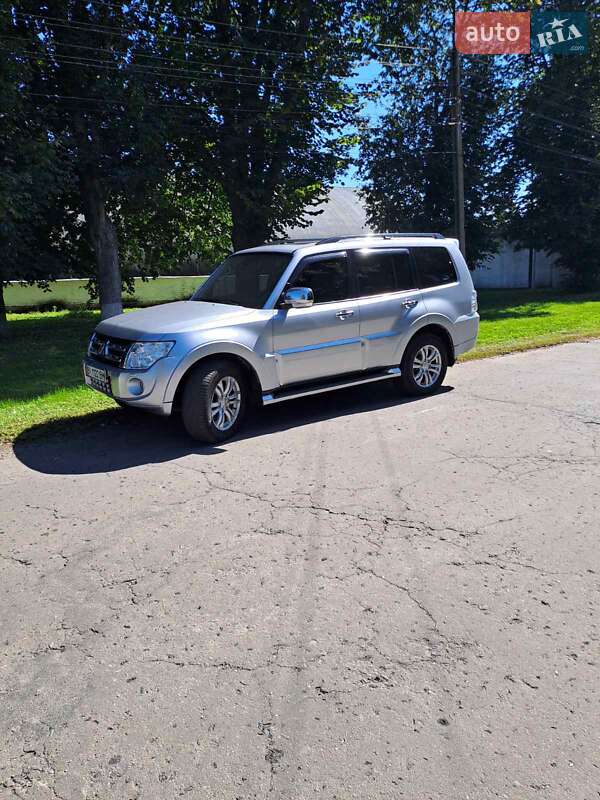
40, 365
72, 293
522, 319
40, 368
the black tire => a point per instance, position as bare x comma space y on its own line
198, 395
408, 380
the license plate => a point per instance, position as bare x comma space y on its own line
97, 378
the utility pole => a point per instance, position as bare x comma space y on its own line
457, 150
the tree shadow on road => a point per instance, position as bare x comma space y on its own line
116, 440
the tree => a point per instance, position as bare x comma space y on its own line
555, 147
265, 83
249, 96
406, 160
85, 79
33, 177
184, 221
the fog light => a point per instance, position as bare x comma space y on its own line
135, 386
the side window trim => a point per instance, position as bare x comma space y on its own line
456, 269
414, 270
321, 257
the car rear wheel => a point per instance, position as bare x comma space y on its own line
214, 401
424, 365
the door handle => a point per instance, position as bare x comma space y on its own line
343, 314
409, 303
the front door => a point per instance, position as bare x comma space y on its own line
323, 340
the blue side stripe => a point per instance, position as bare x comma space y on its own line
336, 343
382, 335
322, 346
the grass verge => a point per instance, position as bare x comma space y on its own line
523, 319
40, 364
73, 294
40, 368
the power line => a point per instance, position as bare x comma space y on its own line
471, 76
535, 78
59, 22
588, 132
558, 151
186, 61
262, 29
165, 59
563, 171
521, 88
180, 107
163, 72
231, 68
159, 71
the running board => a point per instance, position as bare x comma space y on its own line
312, 388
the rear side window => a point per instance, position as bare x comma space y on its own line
434, 266
327, 277
378, 272
375, 273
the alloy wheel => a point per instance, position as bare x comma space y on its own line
427, 366
225, 403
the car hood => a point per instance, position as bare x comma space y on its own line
160, 322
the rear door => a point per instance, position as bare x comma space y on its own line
389, 303
438, 278
323, 340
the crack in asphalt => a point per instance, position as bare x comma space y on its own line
331, 586
24, 562
580, 417
403, 589
384, 521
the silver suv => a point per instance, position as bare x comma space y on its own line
288, 320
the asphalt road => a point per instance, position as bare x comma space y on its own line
362, 598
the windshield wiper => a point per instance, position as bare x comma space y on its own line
215, 300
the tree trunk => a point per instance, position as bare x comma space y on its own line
248, 229
103, 238
3, 320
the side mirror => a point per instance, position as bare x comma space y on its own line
299, 297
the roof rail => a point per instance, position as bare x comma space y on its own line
332, 239
285, 240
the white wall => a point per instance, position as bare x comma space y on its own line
509, 269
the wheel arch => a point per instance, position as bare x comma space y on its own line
249, 372
442, 332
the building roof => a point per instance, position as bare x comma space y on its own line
344, 214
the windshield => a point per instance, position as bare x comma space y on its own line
244, 279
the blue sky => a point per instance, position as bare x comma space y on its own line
372, 111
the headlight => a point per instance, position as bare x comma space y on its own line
142, 355
91, 343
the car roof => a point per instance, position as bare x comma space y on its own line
352, 242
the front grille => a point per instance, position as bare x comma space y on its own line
108, 349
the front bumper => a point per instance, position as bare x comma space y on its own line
122, 384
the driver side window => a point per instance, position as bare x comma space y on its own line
327, 276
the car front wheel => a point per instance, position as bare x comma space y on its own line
424, 365
214, 401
